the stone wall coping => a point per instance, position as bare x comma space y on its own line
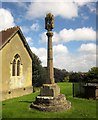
49, 84
45, 97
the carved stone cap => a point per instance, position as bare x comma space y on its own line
49, 22
49, 33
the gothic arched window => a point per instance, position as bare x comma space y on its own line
18, 68
13, 67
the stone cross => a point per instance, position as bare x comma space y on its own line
49, 25
50, 98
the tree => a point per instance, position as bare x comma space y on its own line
38, 73
92, 75
66, 79
59, 74
76, 77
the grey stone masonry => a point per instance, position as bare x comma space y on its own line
52, 90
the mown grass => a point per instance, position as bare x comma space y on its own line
20, 107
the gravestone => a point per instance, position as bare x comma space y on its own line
50, 98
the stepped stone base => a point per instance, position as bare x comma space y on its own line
50, 99
48, 103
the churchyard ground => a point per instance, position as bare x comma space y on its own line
20, 107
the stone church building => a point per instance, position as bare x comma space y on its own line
15, 64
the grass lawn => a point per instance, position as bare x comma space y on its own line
20, 107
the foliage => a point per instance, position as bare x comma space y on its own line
92, 75
59, 74
76, 77
66, 79
39, 73
20, 107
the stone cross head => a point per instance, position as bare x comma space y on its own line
49, 22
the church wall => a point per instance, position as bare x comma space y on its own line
13, 86
0, 74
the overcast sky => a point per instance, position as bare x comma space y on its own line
74, 40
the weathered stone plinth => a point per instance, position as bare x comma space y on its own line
52, 90
47, 103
